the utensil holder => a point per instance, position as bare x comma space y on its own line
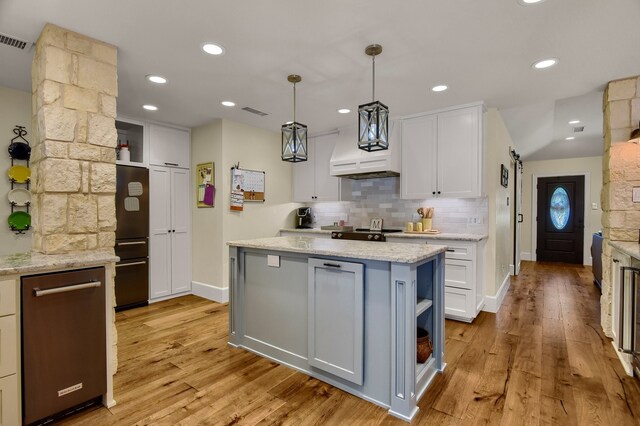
426, 224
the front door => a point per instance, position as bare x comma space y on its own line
560, 219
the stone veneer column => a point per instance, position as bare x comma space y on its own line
620, 173
74, 83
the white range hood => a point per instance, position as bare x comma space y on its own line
348, 161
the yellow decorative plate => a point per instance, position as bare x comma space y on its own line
20, 174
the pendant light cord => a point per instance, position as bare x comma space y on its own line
373, 98
294, 102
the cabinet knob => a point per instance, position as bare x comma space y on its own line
434, 192
438, 192
369, 236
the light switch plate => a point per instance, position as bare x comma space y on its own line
636, 194
273, 261
594, 206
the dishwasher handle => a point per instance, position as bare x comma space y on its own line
39, 293
131, 243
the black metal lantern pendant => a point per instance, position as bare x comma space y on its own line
294, 134
373, 118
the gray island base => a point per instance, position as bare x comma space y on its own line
344, 312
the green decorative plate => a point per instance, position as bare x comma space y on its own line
19, 221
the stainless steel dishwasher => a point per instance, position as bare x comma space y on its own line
64, 359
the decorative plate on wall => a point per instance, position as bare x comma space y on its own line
19, 197
20, 174
19, 221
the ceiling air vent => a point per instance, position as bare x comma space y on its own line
254, 111
578, 129
14, 42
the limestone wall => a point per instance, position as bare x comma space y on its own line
74, 83
620, 172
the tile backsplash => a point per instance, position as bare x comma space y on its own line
381, 198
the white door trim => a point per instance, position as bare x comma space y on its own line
586, 253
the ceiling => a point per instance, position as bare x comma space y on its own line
483, 50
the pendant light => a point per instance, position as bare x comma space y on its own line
635, 135
294, 134
373, 118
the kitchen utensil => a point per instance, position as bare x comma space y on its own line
20, 174
421, 212
19, 148
19, 221
19, 196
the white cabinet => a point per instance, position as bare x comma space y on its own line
169, 146
442, 154
312, 180
336, 318
170, 231
463, 276
133, 135
9, 390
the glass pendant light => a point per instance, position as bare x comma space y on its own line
294, 134
373, 118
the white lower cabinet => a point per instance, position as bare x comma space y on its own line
463, 276
9, 391
170, 231
336, 318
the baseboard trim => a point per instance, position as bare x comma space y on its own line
525, 255
211, 292
493, 303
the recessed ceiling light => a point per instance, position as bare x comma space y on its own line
228, 103
344, 110
545, 63
213, 49
150, 107
574, 122
528, 2
569, 138
439, 88
156, 79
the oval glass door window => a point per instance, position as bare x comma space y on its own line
560, 208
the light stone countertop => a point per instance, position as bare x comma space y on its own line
387, 252
28, 263
629, 248
442, 236
452, 236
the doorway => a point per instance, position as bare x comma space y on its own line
560, 219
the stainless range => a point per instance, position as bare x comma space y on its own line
363, 234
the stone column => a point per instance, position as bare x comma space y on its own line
74, 85
620, 172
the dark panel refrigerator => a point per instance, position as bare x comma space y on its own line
132, 237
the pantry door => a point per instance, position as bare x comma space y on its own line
560, 219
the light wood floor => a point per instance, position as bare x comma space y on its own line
543, 359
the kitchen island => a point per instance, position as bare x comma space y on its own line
344, 312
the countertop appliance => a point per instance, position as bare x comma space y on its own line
64, 354
363, 234
132, 237
304, 218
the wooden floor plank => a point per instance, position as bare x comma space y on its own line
542, 359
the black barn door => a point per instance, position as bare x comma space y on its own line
560, 219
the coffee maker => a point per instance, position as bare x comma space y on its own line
304, 218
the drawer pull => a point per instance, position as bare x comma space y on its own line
332, 265
66, 289
131, 264
451, 250
171, 164
132, 243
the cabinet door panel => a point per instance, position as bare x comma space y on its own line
9, 401
304, 176
458, 273
458, 304
327, 186
459, 153
169, 146
8, 345
181, 225
7, 297
336, 317
160, 237
419, 157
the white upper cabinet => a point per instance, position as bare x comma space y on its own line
169, 146
312, 180
442, 154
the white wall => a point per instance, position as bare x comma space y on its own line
499, 248
15, 109
592, 165
254, 149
